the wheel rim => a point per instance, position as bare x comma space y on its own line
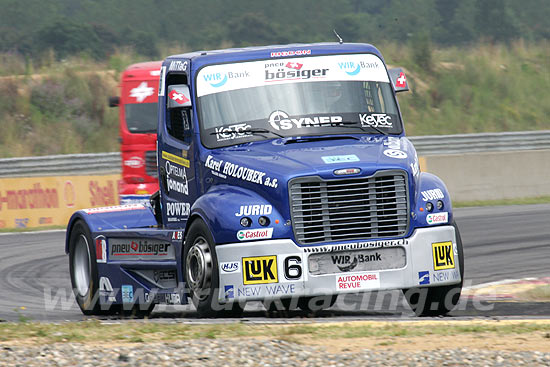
198, 266
81, 265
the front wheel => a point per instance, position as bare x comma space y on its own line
202, 275
83, 269
437, 301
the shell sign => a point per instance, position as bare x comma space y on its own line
45, 201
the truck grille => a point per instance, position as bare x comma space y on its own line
350, 208
151, 163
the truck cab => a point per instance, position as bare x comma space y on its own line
137, 128
284, 174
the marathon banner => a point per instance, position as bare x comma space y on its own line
29, 202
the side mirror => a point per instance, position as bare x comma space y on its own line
178, 96
114, 101
399, 80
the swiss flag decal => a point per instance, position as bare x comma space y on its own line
294, 65
401, 81
178, 97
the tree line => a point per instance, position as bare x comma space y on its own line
98, 27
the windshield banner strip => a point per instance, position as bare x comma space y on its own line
225, 77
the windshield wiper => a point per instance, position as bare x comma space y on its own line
259, 130
303, 139
256, 130
355, 124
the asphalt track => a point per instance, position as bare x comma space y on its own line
507, 242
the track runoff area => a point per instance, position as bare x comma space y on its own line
506, 275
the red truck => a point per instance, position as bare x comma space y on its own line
138, 130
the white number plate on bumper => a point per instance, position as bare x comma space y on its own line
358, 260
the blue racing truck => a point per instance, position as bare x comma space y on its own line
284, 175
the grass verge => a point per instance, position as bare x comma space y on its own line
520, 201
94, 331
31, 229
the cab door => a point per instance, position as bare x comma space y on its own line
175, 154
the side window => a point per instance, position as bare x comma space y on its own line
178, 121
179, 124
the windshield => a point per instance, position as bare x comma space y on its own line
323, 95
141, 117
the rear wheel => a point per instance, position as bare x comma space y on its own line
202, 274
437, 301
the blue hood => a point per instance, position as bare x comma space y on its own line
263, 162
286, 161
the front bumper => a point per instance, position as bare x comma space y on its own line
270, 269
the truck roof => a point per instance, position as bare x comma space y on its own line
200, 58
142, 70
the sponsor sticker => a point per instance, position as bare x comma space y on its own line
445, 276
393, 143
139, 249
394, 153
253, 210
280, 120
100, 250
401, 81
240, 172
254, 234
230, 267
106, 290
347, 262
229, 291
178, 65
294, 71
175, 159
134, 162
178, 97
432, 194
340, 158
353, 68
232, 132
375, 120
358, 281
423, 277
443, 255
260, 270
437, 218
163, 298
290, 53
127, 293
177, 211
162, 81
415, 168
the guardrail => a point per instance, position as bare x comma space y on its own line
107, 163
484, 142
66, 164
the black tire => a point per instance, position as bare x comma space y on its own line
83, 270
438, 301
201, 273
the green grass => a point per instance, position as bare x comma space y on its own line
31, 229
138, 332
519, 201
